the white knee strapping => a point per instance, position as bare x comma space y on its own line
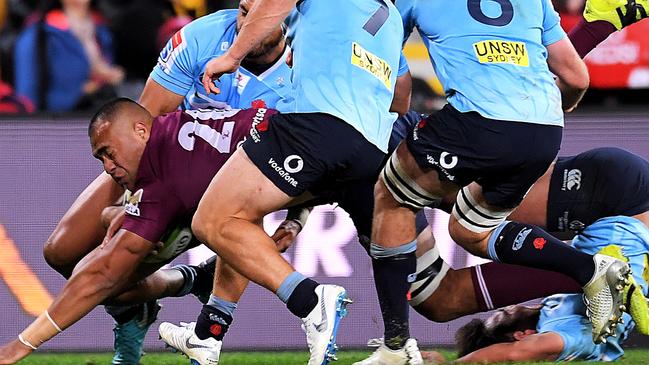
474, 217
431, 269
403, 188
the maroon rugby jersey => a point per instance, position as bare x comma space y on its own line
186, 149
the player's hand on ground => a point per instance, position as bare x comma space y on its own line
433, 357
216, 68
13, 352
285, 234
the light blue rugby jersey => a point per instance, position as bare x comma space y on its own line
491, 56
345, 63
182, 62
565, 314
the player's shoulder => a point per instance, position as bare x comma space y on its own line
211, 26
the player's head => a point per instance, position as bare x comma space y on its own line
267, 44
118, 134
508, 324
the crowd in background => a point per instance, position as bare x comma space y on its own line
73, 55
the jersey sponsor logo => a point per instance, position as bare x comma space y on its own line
431, 160
447, 163
373, 64
571, 179
172, 49
132, 202
259, 124
282, 173
520, 238
495, 51
293, 164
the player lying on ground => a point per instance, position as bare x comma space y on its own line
580, 193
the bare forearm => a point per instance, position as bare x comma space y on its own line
570, 96
264, 17
86, 289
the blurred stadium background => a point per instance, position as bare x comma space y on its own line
45, 162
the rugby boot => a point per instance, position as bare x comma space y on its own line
634, 300
183, 339
204, 281
321, 324
129, 334
408, 355
604, 295
620, 13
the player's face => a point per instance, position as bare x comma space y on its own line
119, 147
266, 45
514, 318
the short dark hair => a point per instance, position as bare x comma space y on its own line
475, 335
108, 111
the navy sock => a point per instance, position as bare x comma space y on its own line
528, 245
213, 323
391, 277
303, 298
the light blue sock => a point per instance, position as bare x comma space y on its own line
491, 245
222, 305
288, 285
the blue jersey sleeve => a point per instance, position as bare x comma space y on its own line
405, 8
552, 31
174, 70
403, 65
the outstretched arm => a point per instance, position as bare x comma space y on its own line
93, 281
537, 347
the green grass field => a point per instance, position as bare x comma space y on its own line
247, 358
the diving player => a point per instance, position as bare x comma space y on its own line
167, 163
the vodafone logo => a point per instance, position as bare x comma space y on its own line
293, 164
447, 161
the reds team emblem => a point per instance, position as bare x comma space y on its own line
132, 202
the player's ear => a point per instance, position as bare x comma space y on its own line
141, 130
519, 335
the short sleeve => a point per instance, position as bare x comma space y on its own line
403, 65
174, 70
151, 209
552, 31
406, 10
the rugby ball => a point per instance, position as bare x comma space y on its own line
176, 241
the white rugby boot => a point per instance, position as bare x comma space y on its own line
408, 355
183, 339
321, 325
603, 295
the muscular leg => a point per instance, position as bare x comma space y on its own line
224, 221
486, 287
80, 230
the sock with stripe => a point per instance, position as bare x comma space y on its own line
528, 245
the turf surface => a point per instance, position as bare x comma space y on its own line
247, 358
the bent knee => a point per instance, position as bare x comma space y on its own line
207, 229
57, 258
